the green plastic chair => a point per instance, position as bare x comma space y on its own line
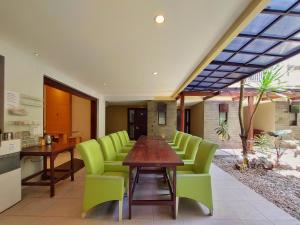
108, 150
183, 143
173, 139
177, 139
191, 149
194, 180
101, 184
117, 144
125, 133
123, 139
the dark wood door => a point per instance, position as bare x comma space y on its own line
187, 120
137, 122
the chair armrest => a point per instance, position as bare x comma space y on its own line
193, 181
116, 166
188, 162
121, 156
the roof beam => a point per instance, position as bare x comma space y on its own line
280, 13
255, 7
267, 38
198, 93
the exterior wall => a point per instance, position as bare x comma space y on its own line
264, 118
197, 120
167, 130
211, 121
282, 119
117, 117
81, 117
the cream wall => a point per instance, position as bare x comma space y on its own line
24, 73
197, 119
264, 118
81, 117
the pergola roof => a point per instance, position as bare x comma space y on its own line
273, 36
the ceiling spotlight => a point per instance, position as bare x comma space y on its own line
155, 73
159, 19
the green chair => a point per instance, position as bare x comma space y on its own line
191, 149
118, 145
125, 133
177, 139
194, 180
108, 150
101, 184
123, 140
183, 143
172, 142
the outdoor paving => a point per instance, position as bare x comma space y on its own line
234, 203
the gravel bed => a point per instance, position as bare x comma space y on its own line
283, 191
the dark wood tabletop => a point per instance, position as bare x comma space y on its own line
54, 148
152, 151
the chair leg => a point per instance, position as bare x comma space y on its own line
120, 210
211, 212
177, 204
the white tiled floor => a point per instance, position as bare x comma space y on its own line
234, 204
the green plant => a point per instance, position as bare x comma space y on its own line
270, 82
222, 131
263, 142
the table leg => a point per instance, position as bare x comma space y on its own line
44, 175
130, 192
174, 192
72, 164
52, 176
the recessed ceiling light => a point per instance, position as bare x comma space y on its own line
159, 19
155, 73
36, 53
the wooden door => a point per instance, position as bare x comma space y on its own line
137, 122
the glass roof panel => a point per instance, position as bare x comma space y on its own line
210, 79
260, 22
219, 74
297, 36
204, 73
297, 8
223, 56
264, 60
284, 27
228, 68
246, 70
235, 75
199, 78
217, 85
205, 84
199, 88
194, 83
282, 5
212, 67
259, 45
237, 43
285, 48
227, 81
241, 58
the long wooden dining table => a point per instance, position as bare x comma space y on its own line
152, 155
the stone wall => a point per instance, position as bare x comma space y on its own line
167, 130
282, 119
211, 121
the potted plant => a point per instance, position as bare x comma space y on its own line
222, 131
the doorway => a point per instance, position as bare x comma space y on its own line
69, 115
187, 128
137, 122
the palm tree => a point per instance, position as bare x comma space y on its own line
270, 82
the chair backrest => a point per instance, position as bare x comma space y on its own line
116, 141
173, 138
125, 133
184, 141
178, 138
107, 148
192, 147
204, 156
122, 138
92, 157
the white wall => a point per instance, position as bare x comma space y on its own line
24, 74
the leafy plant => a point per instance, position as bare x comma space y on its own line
269, 83
263, 142
222, 131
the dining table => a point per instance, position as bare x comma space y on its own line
152, 155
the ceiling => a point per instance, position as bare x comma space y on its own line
115, 46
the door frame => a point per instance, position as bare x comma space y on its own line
94, 101
128, 123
